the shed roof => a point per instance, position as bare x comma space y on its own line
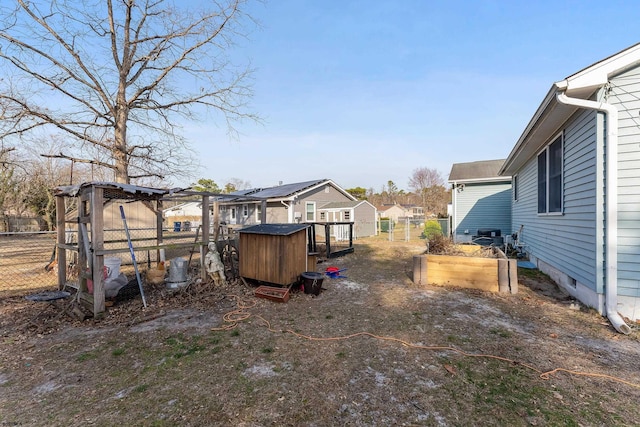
116, 190
274, 229
484, 170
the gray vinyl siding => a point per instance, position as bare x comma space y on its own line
321, 195
277, 213
568, 242
365, 220
625, 95
486, 205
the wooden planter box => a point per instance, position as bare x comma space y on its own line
487, 274
272, 293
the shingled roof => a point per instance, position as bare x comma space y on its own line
484, 170
285, 190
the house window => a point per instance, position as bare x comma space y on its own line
550, 178
259, 212
310, 209
323, 216
233, 213
245, 211
222, 209
514, 184
347, 215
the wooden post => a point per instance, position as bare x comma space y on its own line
513, 276
61, 240
216, 220
96, 213
83, 243
263, 213
204, 248
159, 224
327, 238
420, 269
503, 275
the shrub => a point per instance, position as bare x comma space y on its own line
437, 243
431, 228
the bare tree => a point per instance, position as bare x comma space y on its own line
115, 77
430, 185
236, 184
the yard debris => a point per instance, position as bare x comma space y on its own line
450, 369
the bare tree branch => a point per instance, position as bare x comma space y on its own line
77, 160
116, 77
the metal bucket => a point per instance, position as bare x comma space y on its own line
178, 270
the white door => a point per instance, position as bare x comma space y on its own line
233, 216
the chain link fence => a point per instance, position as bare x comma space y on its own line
28, 260
407, 229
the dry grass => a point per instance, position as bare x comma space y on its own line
171, 364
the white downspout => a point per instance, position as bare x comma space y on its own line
611, 215
454, 208
289, 209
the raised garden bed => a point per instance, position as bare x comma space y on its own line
498, 274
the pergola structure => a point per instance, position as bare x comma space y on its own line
92, 198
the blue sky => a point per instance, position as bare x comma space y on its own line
363, 92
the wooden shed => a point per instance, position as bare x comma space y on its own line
274, 253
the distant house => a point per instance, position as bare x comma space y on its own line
310, 201
189, 212
481, 199
414, 211
576, 185
393, 212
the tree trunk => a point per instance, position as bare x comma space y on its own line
120, 155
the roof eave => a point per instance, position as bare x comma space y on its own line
550, 115
502, 178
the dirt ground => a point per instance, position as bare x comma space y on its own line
372, 349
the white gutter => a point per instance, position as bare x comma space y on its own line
611, 215
289, 209
454, 208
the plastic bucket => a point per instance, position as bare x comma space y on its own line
112, 267
312, 282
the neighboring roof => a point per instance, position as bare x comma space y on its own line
183, 205
480, 171
246, 192
288, 190
551, 115
383, 208
274, 229
343, 205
